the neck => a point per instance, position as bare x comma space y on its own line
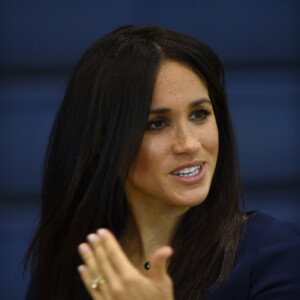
149, 227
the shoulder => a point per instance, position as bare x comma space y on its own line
262, 231
266, 237
267, 265
275, 257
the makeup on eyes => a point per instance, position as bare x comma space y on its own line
199, 113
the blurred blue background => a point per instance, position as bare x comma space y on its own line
40, 43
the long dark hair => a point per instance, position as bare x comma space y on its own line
94, 141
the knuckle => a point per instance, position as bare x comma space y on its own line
117, 292
111, 252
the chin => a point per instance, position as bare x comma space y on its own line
192, 198
190, 201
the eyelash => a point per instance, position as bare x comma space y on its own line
204, 114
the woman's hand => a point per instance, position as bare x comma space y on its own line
112, 275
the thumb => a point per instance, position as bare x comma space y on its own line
159, 263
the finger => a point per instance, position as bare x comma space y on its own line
159, 262
104, 266
88, 257
115, 254
87, 278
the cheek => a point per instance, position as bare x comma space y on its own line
211, 141
150, 157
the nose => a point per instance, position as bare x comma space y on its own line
185, 141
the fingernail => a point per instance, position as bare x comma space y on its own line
101, 232
80, 268
92, 238
82, 248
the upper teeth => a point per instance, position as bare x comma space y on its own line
187, 170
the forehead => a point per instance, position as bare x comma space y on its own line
177, 82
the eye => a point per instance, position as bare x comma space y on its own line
156, 125
200, 115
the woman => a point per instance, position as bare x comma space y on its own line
143, 150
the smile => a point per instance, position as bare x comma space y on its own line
188, 172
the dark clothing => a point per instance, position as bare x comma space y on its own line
267, 266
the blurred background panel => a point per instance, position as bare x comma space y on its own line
40, 43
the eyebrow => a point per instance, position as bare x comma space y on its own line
165, 110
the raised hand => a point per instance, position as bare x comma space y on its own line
108, 274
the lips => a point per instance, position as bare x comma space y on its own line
191, 173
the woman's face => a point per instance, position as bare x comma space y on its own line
179, 151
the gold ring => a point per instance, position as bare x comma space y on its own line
97, 282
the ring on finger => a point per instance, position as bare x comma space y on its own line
97, 282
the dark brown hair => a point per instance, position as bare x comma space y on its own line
94, 141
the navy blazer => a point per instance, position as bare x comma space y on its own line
267, 266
